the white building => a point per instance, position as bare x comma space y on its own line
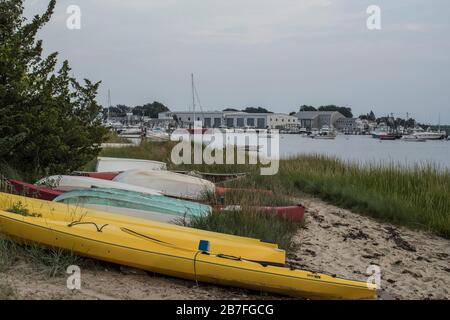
232, 119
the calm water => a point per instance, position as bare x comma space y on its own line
365, 149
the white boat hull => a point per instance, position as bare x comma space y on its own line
105, 164
68, 183
168, 183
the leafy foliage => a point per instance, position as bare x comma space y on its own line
150, 109
48, 121
307, 108
256, 110
345, 111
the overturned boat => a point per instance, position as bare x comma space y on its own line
68, 183
168, 183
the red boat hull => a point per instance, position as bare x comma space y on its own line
33, 191
388, 137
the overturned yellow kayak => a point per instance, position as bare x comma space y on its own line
140, 246
179, 236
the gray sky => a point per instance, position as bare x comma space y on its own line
278, 54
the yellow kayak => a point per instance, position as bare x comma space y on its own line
183, 237
135, 246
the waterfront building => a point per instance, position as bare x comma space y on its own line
233, 119
311, 120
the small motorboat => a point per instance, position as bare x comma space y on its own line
413, 138
388, 137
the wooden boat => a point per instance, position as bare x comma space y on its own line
33, 191
161, 248
105, 164
153, 207
68, 183
168, 183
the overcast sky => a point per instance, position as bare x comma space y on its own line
277, 54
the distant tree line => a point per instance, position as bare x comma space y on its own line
250, 110
147, 110
345, 111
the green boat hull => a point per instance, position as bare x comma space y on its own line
135, 201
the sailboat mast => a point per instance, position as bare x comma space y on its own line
193, 95
109, 103
439, 123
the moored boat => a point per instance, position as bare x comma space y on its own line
202, 256
388, 137
413, 138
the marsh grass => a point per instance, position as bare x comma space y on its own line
417, 196
113, 137
248, 221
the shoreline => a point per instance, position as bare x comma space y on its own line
414, 264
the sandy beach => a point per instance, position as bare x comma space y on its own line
413, 264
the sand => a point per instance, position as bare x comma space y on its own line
413, 264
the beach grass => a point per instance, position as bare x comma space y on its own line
416, 196
250, 223
52, 262
244, 219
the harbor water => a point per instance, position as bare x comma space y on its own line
365, 149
